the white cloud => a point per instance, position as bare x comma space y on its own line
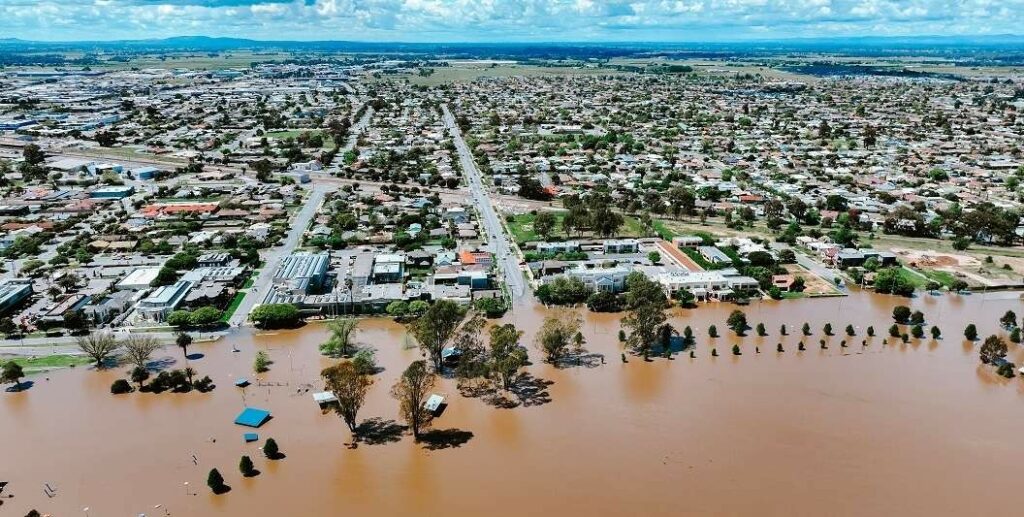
504, 20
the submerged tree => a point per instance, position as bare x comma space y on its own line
340, 343
139, 348
215, 481
12, 374
645, 303
993, 349
506, 355
971, 332
557, 334
737, 322
97, 345
436, 327
349, 387
411, 391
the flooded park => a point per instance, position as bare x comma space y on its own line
917, 428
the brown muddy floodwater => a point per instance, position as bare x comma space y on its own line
917, 429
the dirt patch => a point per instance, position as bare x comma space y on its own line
814, 285
934, 259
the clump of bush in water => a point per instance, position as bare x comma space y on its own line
177, 381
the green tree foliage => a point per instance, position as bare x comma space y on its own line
971, 332
411, 391
341, 341
350, 387
993, 349
275, 316
645, 306
436, 327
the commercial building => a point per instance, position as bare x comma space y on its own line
13, 291
302, 272
163, 300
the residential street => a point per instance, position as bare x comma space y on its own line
498, 241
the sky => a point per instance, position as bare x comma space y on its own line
505, 20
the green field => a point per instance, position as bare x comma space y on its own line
233, 306
51, 362
943, 277
522, 231
294, 133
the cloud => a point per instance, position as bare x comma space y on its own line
504, 20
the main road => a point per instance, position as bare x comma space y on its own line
272, 259
498, 241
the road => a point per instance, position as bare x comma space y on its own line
498, 241
812, 265
272, 259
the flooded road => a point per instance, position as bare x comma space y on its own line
915, 429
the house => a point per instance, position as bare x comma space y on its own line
612, 280
621, 246
687, 241
388, 268
558, 247
163, 300
783, 282
714, 255
213, 259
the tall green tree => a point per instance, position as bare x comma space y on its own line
436, 327
411, 391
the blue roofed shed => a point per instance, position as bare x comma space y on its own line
253, 417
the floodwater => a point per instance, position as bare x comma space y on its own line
916, 429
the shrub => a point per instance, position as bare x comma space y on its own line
120, 386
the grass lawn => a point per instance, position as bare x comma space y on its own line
522, 227
793, 295
328, 142
664, 231
916, 280
251, 280
233, 306
50, 362
943, 277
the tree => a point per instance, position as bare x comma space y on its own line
139, 375
890, 281
827, 329
936, 333
761, 331
138, 349
557, 333
971, 332
435, 328
901, 313
275, 316
183, 340
645, 303
654, 257
737, 322
12, 374
993, 349
270, 449
97, 345
397, 308
215, 481
411, 391
917, 318
917, 331
365, 361
782, 330
871, 331
894, 331
506, 355
246, 467
350, 387
261, 363
205, 316
806, 329
179, 318
712, 331
544, 224
1015, 335
343, 332
850, 331
1008, 320
120, 387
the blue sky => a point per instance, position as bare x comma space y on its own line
505, 20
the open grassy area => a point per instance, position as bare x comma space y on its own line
328, 142
50, 362
233, 306
251, 280
521, 227
915, 279
943, 277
